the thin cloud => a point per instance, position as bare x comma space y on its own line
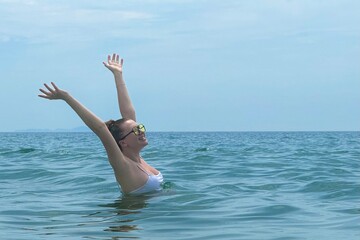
35, 22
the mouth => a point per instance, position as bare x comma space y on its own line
142, 138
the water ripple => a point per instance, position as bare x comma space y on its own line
218, 186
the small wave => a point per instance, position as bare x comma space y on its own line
26, 150
325, 186
277, 209
18, 151
355, 211
204, 149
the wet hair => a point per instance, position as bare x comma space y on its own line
115, 128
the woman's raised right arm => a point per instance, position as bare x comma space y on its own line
115, 156
115, 65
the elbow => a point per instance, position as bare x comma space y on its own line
132, 114
102, 127
129, 113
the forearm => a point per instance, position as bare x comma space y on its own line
116, 158
127, 109
90, 119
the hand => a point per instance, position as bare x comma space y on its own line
113, 63
52, 94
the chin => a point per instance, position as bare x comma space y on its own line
143, 143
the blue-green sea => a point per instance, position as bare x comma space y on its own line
219, 185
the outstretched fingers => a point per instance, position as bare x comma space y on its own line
51, 93
114, 63
45, 94
110, 60
114, 57
49, 88
54, 86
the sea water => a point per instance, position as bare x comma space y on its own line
219, 185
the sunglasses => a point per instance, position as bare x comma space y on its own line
136, 130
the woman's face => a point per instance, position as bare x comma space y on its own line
132, 140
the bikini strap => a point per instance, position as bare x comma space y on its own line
143, 169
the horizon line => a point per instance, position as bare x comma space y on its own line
177, 131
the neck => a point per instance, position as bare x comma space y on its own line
132, 155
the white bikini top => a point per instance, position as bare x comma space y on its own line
152, 184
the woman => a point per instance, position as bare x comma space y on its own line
123, 139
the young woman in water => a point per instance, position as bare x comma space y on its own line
123, 139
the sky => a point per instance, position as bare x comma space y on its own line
189, 65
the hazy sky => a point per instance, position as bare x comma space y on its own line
190, 65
